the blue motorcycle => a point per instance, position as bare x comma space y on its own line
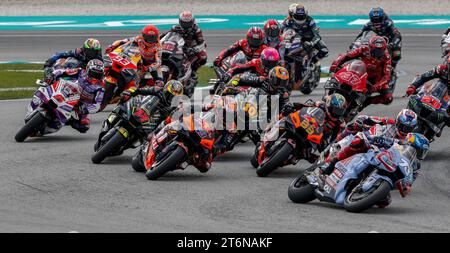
363, 180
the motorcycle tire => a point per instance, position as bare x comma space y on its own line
275, 160
356, 204
104, 151
306, 89
168, 163
34, 123
300, 191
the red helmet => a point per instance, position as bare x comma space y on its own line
186, 20
272, 28
378, 46
255, 37
270, 58
150, 34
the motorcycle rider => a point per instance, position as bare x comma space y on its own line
378, 63
334, 108
304, 25
375, 130
90, 50
150, 50
383, 26
252, 46
195, 45
91, 82
441, 71
272, 34
445, 45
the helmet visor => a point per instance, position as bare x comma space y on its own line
152, 39
269, 64
377, 52
272, 32
337, 111
404, 128
299, 16
186, 24
254, 43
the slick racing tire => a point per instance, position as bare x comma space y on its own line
136, 162
37, 121
166, 164
358, 201
104, 151
300, 191
275, 160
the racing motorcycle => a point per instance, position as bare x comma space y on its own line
121, 71
52, 107
227, 64
361, 181
184, 142
127, 126
430, 103
351, 82
175, 64
290, 139
305, 75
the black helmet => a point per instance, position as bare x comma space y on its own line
278, 78
172, 89
95, 69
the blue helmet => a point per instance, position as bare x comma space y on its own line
336, 105
420, 143
377, 15
406, 122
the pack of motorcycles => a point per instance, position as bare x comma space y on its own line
191, 139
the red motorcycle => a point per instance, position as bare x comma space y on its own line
351, 82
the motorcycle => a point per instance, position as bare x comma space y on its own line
351, 82
175, 64
430, 103
52, 107
305, 75
361, 181
127, 127
121, 69
186, 141
227, 64
290, 139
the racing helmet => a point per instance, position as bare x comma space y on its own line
405, 122
95, 70
336, 105
91, 48
278, 78
186, 20
150, 35
172, 89
377, 17
272, 29
420, 143
255, 37
377, 46
270, 58
298, 13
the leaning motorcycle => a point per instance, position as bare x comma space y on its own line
430, 103
290, 139
52, 107
361, 181
305, 74
127, 126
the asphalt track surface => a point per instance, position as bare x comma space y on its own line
50, 185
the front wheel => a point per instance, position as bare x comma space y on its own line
358, 201
36, 122
276, 160
168, 163
300, 191
109, 147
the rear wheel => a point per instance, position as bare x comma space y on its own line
358, 201
300, 191
36, 122
277, 159
167, 163
109, 147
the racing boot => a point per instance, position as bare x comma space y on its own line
385, 202
81, 126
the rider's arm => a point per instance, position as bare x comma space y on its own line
315, 32
154, 91
66, 72
231, 50
118, 43
248, 80
96, 106
348, 56
249, 66
427, 76
201, 44
365, 28
65, 54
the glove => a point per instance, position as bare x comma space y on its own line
235, 81
307, 45
49, 63
333, 67
127, 94
49, 77
109, 50
411, 90
217, 62
287, 109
